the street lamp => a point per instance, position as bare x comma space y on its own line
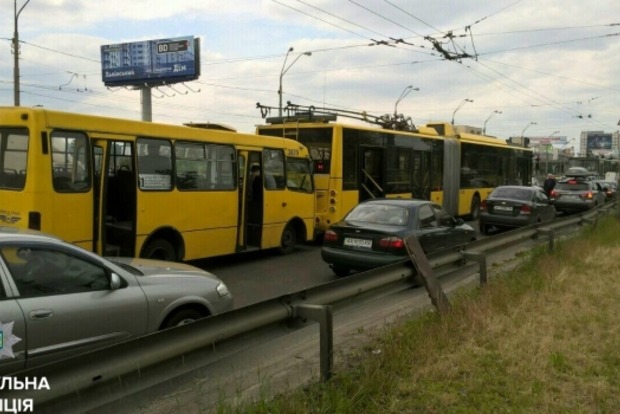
459, 107
484, 129
404, 93
285, 69
526, 127
16, 53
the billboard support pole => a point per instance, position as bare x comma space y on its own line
147, 106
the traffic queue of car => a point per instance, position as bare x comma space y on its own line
373, 233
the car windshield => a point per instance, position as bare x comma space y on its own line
572, 186
513, 193
379, 214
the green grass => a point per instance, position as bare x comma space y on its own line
543, 338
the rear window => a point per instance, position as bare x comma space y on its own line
572, 186
513, 193
379, 214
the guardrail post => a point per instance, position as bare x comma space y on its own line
422, 265
481, 258
323, 315
551, 234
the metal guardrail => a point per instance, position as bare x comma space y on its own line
81, 380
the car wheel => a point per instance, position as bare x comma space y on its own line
182, 317
474, 210
160, 249
341, 271
484, 229
288, 240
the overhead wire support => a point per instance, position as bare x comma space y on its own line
294, 112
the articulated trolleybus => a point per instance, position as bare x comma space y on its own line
434, 162
141, 189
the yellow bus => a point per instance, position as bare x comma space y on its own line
433, 162
141, 189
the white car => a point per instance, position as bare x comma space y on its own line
58, 300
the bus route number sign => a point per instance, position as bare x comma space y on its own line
171, 47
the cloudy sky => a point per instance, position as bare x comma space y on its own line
549, 66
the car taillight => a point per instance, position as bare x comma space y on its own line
589, 195
525, 209
553, 194
392, 243
330, 236
483, 205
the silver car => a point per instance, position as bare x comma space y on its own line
58, 300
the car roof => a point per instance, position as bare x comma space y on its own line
14, 233
405, 202
578, 172
517, 187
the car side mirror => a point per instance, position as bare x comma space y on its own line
115, 282
459, 221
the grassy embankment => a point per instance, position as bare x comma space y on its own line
543, 339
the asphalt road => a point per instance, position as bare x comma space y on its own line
257, 276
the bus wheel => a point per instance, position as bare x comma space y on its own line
160, 249
474, 212
288, 240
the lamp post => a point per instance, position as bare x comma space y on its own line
404, 93
16, 53
284, 70
526, 127
459, 107
484, 129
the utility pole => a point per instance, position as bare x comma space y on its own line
16, 53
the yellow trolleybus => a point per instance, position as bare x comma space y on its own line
131, 188
432, 162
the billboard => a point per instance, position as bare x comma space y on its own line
151, 62
551, 139
598, 142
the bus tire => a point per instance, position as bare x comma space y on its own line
160, 249
474, 210
288, 240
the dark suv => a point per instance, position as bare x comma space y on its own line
578, 193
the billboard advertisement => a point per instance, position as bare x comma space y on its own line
551, 139
151, 62
598, 142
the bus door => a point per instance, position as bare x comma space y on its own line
250, 200
116, 197
372, 173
